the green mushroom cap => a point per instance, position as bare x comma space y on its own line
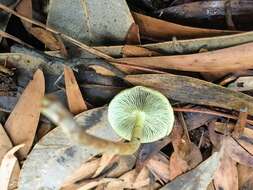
144, 104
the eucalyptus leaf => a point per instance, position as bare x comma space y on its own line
94, 22
198, 178
57, 157
191, 90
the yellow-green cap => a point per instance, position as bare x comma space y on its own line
154, 106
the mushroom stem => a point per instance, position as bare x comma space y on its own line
64, 119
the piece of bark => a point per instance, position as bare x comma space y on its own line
75, 99
191, 90
163, 30
227, 60
22, 123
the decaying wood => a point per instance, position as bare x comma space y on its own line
229, 59
191, 90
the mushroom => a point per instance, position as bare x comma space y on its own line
139, 115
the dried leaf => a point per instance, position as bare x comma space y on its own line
226, 177
55, 152
178, 166
22, 123
106, 159
133, 36
86, 170
148, 150
198, 178
229, 59
162, 30
245, 177
24, 8
159, 167
5, 146
7, 166
137, 51
237, 152
131, 180
91, 22
187, 46
5, 143
46, 37
191, 90
75, 99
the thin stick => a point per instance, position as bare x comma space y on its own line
210, 113
9, 36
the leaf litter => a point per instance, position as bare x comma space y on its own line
83, 53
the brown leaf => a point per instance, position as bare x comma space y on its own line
191, 90
226, 177
7, 166
25, 9
177, 165
237, 152
131, 180
137, 51
229, 59
5, 146
162, 30
133, 36
198, 178
86, 170
75, 100
46, 37
23, 120
105, 161
185, 157
159, 167
245, 177
5, 143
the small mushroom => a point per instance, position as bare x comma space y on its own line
139, 115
